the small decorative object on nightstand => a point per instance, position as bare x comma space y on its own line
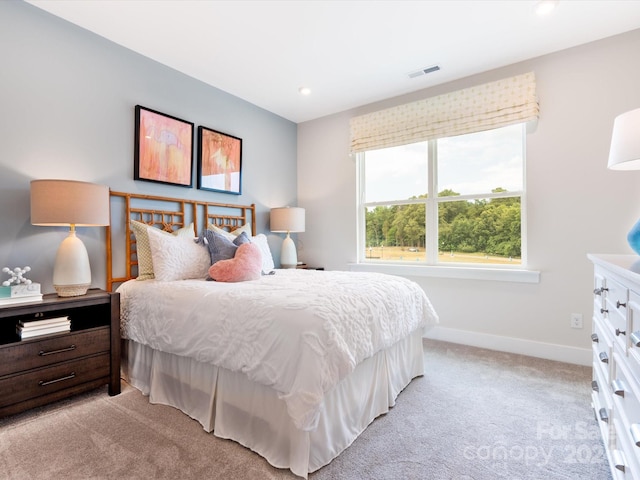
45, 368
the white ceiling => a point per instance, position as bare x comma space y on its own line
349, 52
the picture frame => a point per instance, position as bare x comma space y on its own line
219, 161
163, 148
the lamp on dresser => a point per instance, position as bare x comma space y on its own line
625, 155
289, 220
74, 204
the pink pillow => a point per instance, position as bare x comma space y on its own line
245, 265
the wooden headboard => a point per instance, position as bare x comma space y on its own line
168, 214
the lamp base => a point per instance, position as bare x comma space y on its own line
71, 271
633, 237
288, 256
71, 290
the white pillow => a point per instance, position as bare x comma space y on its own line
267, 258
177, 257
143, 249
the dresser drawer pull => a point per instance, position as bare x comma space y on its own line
618, 304
635, 433
604, 416
598, 291
619, 460
594, 386
620, 332
594, 337
635, 338
603, 357
42, 383
42, 353
618, 387
604, 310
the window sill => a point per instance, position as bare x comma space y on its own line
461, 272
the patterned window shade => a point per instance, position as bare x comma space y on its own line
492, 105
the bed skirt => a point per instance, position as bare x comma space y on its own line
233, 407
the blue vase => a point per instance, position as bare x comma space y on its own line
633, 237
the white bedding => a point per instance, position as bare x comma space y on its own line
299, 331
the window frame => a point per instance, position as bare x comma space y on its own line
431, 266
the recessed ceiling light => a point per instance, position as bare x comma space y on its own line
544, 7
304, 90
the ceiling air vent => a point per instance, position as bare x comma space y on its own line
424, 71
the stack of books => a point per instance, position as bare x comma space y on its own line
35, 328
20, 294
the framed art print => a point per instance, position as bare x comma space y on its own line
219, 161
163, 148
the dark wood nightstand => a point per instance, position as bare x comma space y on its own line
44, 369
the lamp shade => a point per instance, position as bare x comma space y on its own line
287, 219
625, 142
69, 202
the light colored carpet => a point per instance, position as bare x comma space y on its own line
475, 415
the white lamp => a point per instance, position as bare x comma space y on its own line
288, 219
72, 203
625, 155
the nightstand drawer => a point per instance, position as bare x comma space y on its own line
17, 388
36, 353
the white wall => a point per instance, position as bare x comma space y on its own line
574, 204
67, 99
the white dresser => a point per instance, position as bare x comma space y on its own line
616, 360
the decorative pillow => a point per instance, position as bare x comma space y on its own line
143, 249
177, 257
267, 259
231, 235
220, 247
246, 265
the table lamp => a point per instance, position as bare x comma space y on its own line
290, 220
74, 204
625, 155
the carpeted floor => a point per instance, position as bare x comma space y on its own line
475, 415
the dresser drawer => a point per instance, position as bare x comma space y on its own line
18, 388
622, 454
616, 300
626, 390
41, 352
602, 344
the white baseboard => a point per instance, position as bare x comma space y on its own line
549, 351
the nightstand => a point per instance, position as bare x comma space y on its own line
44, 369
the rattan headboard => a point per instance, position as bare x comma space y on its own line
168, 214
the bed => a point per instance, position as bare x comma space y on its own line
293, 365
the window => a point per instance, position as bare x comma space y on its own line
451, 200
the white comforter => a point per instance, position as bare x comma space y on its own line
298, 331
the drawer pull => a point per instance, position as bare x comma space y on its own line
42, 353
603, 357
604, 310
619, 460
620, 332
618, 387
635, 433
598, 291
594, 386
594, 337
42, 383
618, 304
604, 416
635, 338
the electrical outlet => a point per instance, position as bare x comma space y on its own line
576, 320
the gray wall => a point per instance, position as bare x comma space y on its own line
574, 204
67, 100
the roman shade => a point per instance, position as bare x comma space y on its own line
483, 107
